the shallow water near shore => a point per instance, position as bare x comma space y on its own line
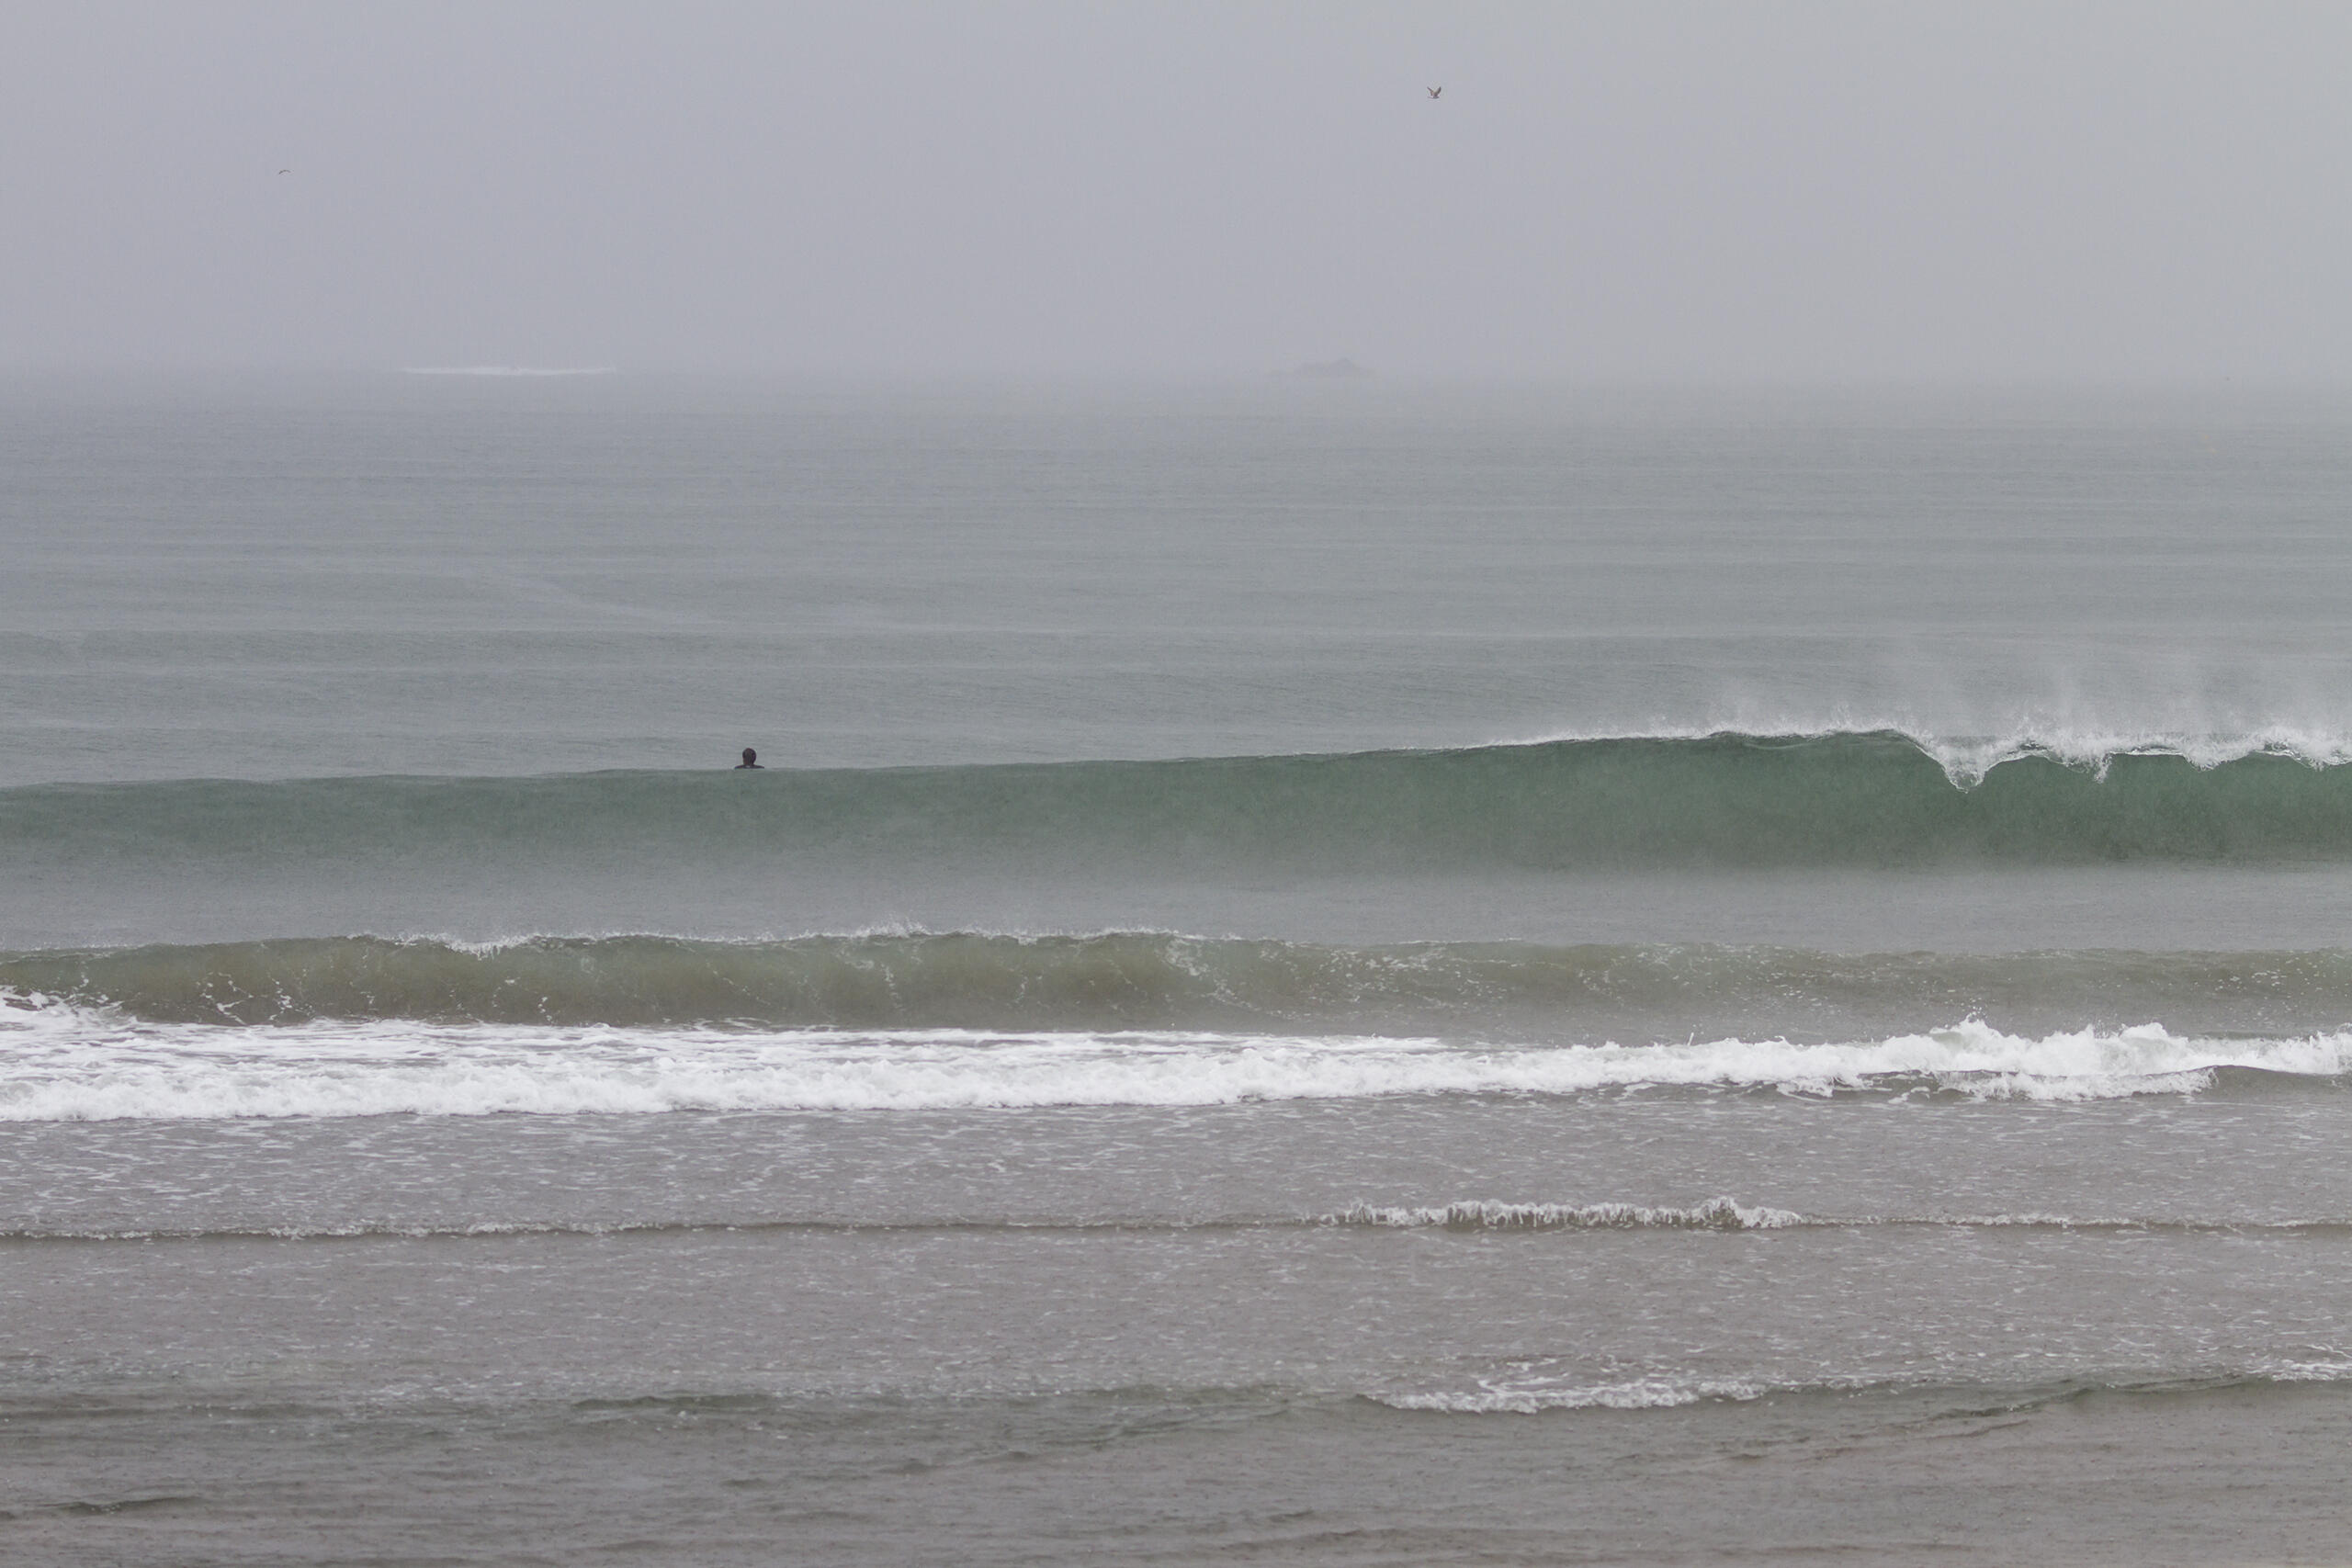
1325, 975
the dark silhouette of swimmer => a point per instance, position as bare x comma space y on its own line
751, 760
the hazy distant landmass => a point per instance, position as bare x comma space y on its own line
1329, 369
510, 370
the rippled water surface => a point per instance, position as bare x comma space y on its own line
1328, 974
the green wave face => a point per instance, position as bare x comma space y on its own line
1154, 980
1727, 801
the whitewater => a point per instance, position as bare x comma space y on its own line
1352, 975
80, 1068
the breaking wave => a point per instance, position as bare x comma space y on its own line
62, 1063
1881, 798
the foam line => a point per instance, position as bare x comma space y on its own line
59, 1062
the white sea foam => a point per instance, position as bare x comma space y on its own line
2331, 1368
1719, 1214
62, 1063
1530, 1388
1967, 759
1533, 1394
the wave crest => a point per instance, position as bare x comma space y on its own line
1160, 980
1881, 798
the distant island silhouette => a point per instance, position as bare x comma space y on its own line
1329, 370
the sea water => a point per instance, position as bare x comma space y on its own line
1340, 974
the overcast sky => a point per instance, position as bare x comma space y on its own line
1651, 191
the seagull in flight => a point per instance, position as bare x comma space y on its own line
285, 171
1435, 91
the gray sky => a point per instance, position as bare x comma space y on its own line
1653, 191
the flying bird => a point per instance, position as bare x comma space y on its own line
285, 171
1435, 91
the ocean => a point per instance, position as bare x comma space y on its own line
1319, 973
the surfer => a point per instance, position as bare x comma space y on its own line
751, 760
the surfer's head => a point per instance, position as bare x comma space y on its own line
751, 758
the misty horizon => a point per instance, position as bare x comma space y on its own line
1692, 194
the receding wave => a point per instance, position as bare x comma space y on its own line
1158, 980
1720, 1215
1716, 1215
1535, 1389
1722, 800
1535, 1395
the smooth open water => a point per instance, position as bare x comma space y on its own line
1316, 975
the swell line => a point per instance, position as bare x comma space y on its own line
1726, 799
1141, 978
